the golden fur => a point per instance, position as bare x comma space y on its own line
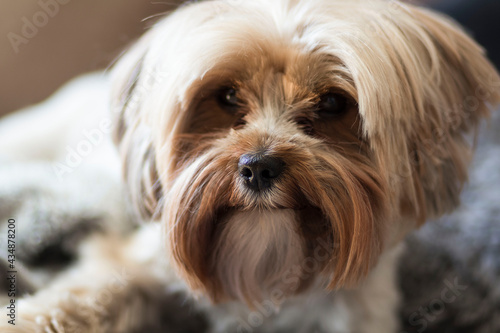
416, 87
398, 155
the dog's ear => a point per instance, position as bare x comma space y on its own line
462, 87
130, 85
147, 93
425, 87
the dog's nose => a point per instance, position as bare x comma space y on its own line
260, 171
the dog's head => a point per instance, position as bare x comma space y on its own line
282, 141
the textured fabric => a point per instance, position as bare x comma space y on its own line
450, 272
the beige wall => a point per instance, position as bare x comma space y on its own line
81, 36
84, 35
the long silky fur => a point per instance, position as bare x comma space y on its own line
404, 159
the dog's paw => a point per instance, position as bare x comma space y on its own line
53, 322
56, 321
68, 317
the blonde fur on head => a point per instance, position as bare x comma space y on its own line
395, 157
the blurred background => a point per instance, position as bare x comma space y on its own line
47, 42
44, 43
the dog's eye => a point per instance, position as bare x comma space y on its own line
228, 98
332, 104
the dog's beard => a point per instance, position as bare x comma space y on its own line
255, 250
235, 244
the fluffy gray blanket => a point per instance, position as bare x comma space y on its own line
450, 272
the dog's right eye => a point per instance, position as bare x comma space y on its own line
332, 105
228, 98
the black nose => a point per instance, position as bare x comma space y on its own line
260, 171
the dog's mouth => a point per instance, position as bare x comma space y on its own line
276, 207
309, 220
313, 222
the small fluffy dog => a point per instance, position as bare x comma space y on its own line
286, 147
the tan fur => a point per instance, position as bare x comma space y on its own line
352, 185
399, 154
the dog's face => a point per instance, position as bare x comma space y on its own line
285, 141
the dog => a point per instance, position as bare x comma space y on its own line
285, 147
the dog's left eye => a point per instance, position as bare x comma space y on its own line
332, 104
228, 97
